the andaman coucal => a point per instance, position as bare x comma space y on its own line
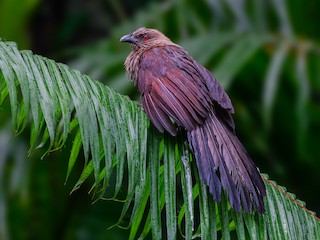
176, 90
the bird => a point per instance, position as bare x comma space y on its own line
179, 94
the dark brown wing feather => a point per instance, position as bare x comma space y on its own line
174, 91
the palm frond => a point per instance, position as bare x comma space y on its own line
115, 135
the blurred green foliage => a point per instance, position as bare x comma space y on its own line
265, 52
15, 16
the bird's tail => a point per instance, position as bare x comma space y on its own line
224, 165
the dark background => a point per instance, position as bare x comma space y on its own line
283, 138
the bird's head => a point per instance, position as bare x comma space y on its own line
145, 38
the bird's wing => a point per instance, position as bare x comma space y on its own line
170, 91
174, 87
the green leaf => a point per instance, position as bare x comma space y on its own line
155, 211
235, 57
186, 181
238, 219
139, 208
272, 80
170, 190
77, 143
207, 212
224, 218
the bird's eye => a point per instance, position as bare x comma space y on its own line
145, 37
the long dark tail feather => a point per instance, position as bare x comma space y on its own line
224, 165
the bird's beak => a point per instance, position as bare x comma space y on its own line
128, 38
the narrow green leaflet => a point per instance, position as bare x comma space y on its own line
155, 211
207, 212
14, 56
304, 90
9, 78
77, 143
243, 49
224, 217
272, 79
139, 209
63, 98
238, 219
186, 181
298, 223
170, 190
